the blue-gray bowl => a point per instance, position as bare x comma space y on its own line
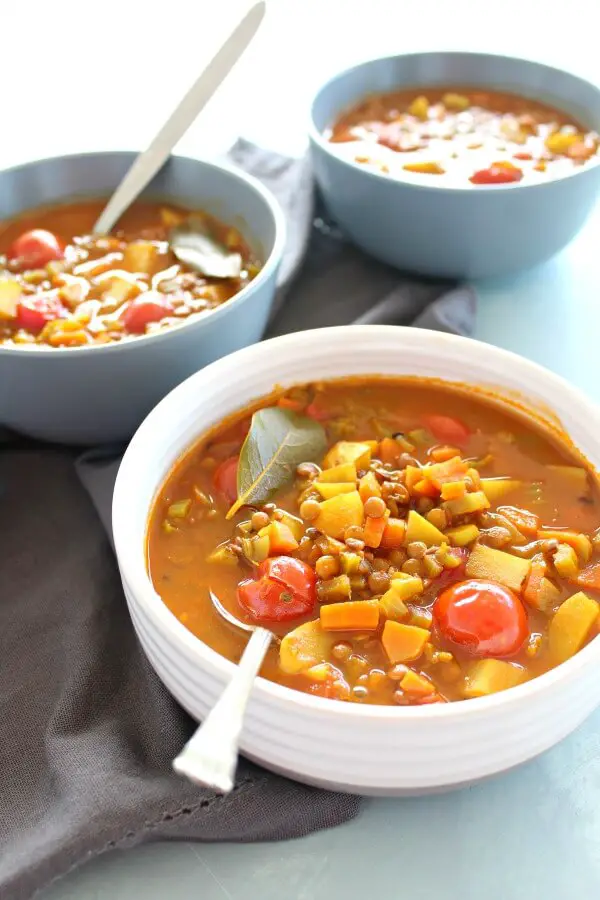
102, 393
453, 231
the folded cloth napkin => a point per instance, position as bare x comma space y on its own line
87, 731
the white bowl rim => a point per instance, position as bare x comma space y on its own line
411, 180
272, 261
132, 563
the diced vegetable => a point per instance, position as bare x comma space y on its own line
425, 168
281, 538
455, 102
369, 487
414, 683
559, 141
392, 605
179, 509
470, 503
539, 591
419, 529
406, 586
336, 589
224, 555
571, 626
389, 451
403, 643
304, 647
590, 577
140, 256
346, 472
524, 521
495, 488
419, 107
355, 615
350, 562
489, 676
452, 490
339, 513
450, 471
463, 535
580, 543
575, 476
565, 561
327, 681
295, 524
354, 452
496, 565
256, 549
327, 490
374, 529
10, 294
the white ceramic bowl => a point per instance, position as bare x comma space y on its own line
363, 749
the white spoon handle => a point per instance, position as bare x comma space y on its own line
210, 756
150, 161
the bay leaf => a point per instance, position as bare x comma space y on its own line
195, 247
277, 442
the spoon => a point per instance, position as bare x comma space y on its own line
147, 164
210, 756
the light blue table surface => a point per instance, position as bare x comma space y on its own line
532, 834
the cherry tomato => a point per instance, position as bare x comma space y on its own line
497, 174
225, 479
286, 589
295, 575
447, 429
36, 310
482, 617
523, 156
150, 307
34, 249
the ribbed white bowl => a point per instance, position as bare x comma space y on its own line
365, 749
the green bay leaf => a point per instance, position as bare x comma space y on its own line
277, 442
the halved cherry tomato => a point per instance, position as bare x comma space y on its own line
36, 310
497, 174
34, 249
150, 307
447, 429
286, 589
482, 617
225, 479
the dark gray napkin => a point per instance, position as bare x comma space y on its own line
87, 731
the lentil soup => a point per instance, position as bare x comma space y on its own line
62, 286
463, 136
409, 542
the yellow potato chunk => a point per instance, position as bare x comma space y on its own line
496, 565
304, 647
419, 529
339, 513
571, 625
496, 488
489, 676
357, 453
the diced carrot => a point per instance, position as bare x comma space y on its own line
443, 453
389, 451
288, 403
281, 539
403, 643
452, 490
527, 522
368, 486
393, 534
414, 683
453, 469
534, 580
373, 530
426, 488
327, 681
353, 615
590, 577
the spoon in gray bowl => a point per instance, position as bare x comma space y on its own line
147, 164
210, 756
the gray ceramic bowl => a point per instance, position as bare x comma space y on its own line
100, 394
452, 231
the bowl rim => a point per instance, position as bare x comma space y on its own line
410, 179
136, 578
271, 263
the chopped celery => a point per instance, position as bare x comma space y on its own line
180, 509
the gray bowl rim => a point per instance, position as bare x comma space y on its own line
317, 138
272, 261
